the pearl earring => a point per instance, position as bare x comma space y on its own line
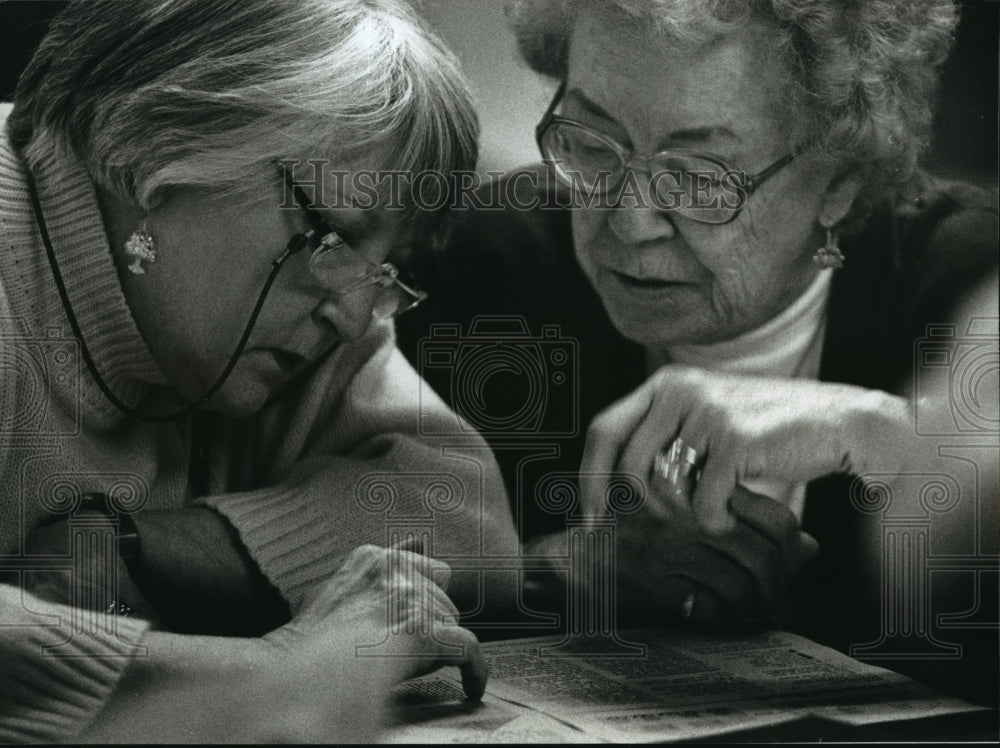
141, 246
829, 256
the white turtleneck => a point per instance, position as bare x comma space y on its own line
789, 345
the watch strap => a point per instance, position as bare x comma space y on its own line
127, 535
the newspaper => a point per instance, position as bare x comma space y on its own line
653, 685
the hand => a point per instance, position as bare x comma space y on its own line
392, 598
309, 681
744, 428
672, 568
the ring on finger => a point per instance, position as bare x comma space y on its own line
687, 607
676, 465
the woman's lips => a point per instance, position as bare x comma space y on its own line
287, 361
291, 363
647, 285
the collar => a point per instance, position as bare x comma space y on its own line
786, 346
72, 216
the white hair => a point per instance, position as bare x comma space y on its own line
862, 75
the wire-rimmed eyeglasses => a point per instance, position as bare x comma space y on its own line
699, 186
344, 271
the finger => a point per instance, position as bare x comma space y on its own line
662, 593
413, 585
716, 484
660, 566
687, 600
443, 606
421, 602
437, 571
653, 432
707, 610
774, 521
667, 499
471, 660
673, 481
716, 571
760, 560
809, 545
361, 569
760, 551
410, 544
676, 596
605, 438
361, 560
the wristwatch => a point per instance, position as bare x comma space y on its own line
127, 536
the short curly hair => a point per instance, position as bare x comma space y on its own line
863, 73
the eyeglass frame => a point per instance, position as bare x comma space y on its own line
749, 183
383, 274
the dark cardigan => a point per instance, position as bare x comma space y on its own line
907, 266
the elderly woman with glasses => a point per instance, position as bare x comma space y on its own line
205, 425
746, 260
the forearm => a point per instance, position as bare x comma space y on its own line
876, 433
173, 694
201, 689
304, 682
300, 530
199, 577
884, 441
58, 666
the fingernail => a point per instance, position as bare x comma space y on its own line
687, 607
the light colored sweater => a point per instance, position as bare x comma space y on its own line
304, 481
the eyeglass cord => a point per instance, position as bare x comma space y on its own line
295, 244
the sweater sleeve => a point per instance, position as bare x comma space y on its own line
57, 674
369, 455
8, 389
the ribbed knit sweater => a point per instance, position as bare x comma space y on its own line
337, 462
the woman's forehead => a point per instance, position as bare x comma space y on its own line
662, 91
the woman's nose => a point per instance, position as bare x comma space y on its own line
637, 220
349, 317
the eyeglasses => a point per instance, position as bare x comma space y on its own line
343, 271
699, 186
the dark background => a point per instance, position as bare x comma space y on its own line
966, 133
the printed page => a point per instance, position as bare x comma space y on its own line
433, 709
654, 685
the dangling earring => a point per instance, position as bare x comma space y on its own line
829, 256
141, 246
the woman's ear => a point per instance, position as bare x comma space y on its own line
839, 197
